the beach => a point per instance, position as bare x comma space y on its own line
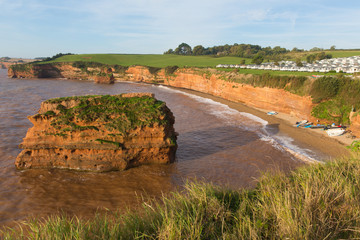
335, 147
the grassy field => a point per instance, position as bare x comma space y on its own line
159, 60
318, 201
343, 53
153, 60
335, 54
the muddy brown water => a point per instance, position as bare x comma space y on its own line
216, 144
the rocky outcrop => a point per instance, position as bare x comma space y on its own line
62, 70
5, 65
99, 133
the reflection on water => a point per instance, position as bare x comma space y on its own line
216, 144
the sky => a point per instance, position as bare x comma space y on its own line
43, 28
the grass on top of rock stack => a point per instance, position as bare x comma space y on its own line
115, 112
314, 202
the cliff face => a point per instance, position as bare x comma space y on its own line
61, 70
355, 123
265, 98
213, 83
99, 133
5, 65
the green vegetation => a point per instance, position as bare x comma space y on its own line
56, 56
116, 113
343, 53
250, 51
154, 60
317, 57
22, 67
332, 110
318, 201
355, 146
169, 70
325, 88
275, 73
238, 50
292, 84
107, 141
336, 98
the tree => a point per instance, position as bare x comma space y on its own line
170, 51
299, 63
333, 47
316, 49
183, 49
258, 59
198, 50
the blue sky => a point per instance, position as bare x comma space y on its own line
41, 28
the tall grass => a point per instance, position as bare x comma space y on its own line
320, 201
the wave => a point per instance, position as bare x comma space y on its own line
250, 122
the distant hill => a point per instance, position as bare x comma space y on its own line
5, 62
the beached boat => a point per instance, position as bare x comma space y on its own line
318, 126
301, 123
272, 113
333, 132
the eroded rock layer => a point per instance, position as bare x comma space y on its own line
227, 85
99, 133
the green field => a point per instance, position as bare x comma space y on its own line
153, 60
159, 60
343, 53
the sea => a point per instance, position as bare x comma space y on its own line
216, 144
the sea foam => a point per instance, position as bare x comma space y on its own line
250, 122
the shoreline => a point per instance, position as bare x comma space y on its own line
334, 147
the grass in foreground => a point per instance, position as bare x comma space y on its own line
320, 201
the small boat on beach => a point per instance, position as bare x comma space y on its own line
302, 123
272, 113
333, 132
318, 126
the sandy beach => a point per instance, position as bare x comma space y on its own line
334, 147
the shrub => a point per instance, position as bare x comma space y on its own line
153, 70
325, 88
333, 110
170, 69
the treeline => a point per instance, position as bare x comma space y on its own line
238, 50
56, 56
255, 52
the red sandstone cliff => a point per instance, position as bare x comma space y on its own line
61, 70
213, 83
96, 133
5, 65
264, 98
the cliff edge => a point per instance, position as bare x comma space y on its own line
99, 133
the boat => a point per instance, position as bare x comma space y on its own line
272, 113
333, 132
318, 126
301, 123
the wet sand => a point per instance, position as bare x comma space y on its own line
334, 147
